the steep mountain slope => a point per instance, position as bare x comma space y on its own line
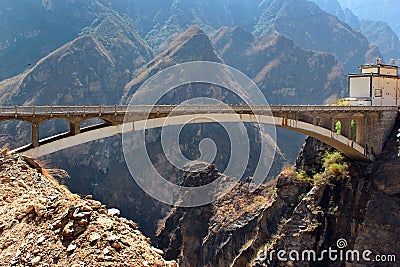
34, 28
301, 21
286, 73
312, 28
81, 72
358, 206
159, 22
192, 45
90, 70
332, 6
382, 35
335, 8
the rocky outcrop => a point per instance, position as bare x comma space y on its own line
43, 224
310, 156
380, 230
226, 232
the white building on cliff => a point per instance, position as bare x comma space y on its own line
377, 85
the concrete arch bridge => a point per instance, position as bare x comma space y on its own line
362, 133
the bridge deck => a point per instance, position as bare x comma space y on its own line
373, 123
14, 111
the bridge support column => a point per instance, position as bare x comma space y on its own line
333, 122
350, 129
345, 121
74, 128
377, 130
359, 129
35, 135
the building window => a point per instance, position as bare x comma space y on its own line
378, 92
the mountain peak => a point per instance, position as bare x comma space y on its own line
193, 30
192, 45
227, 38
82, 71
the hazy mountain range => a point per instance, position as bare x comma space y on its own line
377, 10
35, 28
375, 19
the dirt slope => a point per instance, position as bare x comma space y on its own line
43, 224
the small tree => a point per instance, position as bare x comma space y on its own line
338, 127
353, 126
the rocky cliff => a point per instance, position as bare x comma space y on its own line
229, 229
326, 199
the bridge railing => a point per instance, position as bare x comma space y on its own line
120, 109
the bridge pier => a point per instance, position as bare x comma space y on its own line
35, 135
379, 128
74, 128
359, 129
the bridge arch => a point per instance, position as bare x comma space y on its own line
52, 127
102, 119
89, 122
340, 142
